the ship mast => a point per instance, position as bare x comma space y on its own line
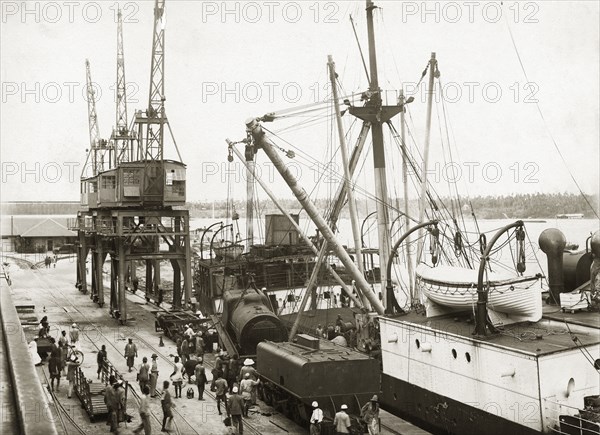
250, 163
345, 163
377, 114
423, 199
409, 264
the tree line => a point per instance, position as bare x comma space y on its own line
536, 205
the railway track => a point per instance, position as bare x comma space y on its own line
248, 426
61, 412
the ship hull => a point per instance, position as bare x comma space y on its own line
440, 414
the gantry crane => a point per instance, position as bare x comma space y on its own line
98, 147
121, 137
130, 215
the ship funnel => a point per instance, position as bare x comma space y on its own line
552, 241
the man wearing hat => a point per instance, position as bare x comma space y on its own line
248, 390
370, 415
316, 419
247, 368
153, 375
235, 407
341, 421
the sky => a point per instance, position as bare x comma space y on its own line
228, 61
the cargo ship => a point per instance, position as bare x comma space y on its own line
467, 351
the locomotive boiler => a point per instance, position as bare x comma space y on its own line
248, 319
296, 374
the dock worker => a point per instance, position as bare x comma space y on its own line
190, 366
63, 343
189, 332
316, 419
43, 327
167, 406
248, 363
153, 375
72, 364
185, 349
234, 369
143, 375
74, 335
235, 407
248, 390
217, 370
177, 377
200, 373
341, 421
221, 394
54, 366
370, 415
144, 413
178, 344
110, 399
101, 359
130, 353
199, 344
121, 402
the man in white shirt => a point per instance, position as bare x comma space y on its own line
74, 335
144, 413
341, 421
316, 419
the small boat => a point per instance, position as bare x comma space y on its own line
456, 288
228, 250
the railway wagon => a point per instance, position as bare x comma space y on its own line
294, 375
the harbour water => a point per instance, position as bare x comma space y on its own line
576, 231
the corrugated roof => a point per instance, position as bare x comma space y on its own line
48, 228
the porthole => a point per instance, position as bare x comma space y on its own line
468, 357
418, 343
454, 354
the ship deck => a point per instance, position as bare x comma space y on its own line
324, 317
552, 334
